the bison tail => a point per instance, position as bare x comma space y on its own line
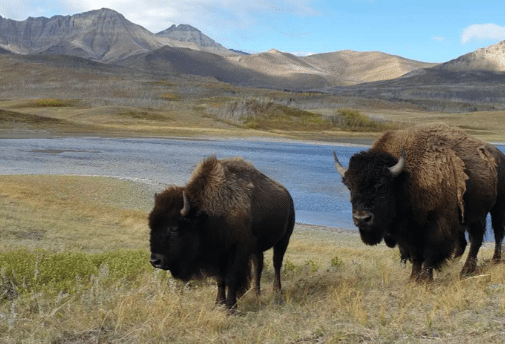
244, 278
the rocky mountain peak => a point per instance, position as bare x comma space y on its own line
187, 33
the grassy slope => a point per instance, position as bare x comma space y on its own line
21, 118
336, 289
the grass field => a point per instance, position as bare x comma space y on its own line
74, 269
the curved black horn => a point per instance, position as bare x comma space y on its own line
340, 169
185, 209
398, 168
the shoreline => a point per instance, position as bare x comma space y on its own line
307, 226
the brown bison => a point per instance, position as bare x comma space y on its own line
226, 216
421, 188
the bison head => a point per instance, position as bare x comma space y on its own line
370, 179
174, 236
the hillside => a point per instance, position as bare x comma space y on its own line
169, 60
355, 67
491, 59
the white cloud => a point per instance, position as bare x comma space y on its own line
439, 38
301, 53
483, 32
155, 15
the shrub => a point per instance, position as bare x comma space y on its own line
51, 102
353, 120
264, 114
336, 262
170, 96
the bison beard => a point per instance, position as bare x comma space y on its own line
421, 188
224, 218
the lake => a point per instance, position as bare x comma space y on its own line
306, 169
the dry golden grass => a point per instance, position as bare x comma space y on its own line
72, 213
336, 289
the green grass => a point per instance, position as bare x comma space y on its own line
26, 272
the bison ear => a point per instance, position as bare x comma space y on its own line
186, 208
340, 169
400, 165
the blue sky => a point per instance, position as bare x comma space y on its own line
429, 31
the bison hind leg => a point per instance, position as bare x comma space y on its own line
257, 259
279, 251
476, 233
498, 223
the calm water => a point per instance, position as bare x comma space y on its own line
306, 169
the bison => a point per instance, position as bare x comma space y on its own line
226, 216
422, 188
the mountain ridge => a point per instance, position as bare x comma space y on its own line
106, 36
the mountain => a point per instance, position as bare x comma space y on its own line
187, 33
171, 60
490, 58
355, 67
107, 37
101, 35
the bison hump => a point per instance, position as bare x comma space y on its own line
437, 173
223, 187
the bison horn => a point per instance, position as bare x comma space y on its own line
340, 169
398, 168
185, 209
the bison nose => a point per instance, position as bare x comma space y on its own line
156, 260
362, 218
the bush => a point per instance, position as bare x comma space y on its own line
51, 102
26, 271
170, 96
353, 120
264, 114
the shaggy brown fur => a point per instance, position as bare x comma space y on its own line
226, 186
437, 157
234, 213
450, 181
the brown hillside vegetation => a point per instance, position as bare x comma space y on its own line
111, 100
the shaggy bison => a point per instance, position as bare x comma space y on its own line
421, 188
226, 216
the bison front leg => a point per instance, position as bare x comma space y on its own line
221, 290
237, 277
417, 264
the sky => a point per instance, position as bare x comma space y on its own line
422, 30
